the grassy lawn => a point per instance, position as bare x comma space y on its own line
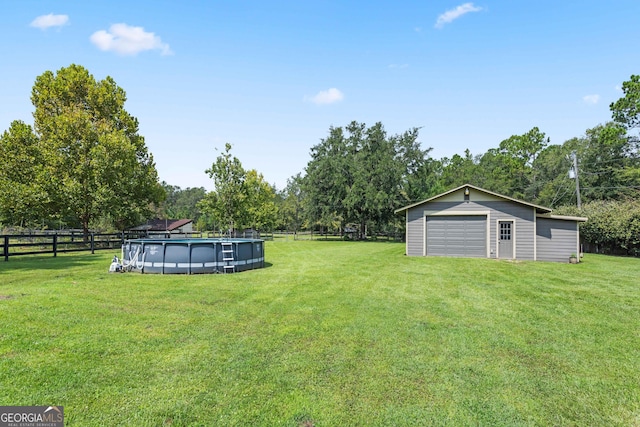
328, 334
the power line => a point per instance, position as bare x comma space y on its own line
619, 187
596, 173
558, 198
605, 161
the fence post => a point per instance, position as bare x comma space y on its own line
93, 239
55, 245
6, 248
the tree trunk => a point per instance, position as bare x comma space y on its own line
85, 230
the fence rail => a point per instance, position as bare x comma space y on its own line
46, 243
61, 242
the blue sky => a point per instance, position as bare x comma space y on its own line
271, 77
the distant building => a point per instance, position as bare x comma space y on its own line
169, 227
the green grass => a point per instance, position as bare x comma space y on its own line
328, 334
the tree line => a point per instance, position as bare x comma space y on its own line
358, 175
84, 164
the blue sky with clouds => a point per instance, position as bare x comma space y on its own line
271, 77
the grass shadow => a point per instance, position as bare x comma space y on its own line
42, 262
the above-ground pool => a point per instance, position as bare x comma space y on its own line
192, 256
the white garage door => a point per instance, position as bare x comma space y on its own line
458, 236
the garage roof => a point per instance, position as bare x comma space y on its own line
539, 209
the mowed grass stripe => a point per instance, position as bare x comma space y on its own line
329, 333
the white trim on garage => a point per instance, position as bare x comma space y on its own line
424, 232
535, 236
455, 213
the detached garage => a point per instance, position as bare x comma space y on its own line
472, 222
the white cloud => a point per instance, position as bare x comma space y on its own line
591, 99
127, 40
618, 88
327, 96
45, 21
453, 14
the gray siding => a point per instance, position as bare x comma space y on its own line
523, 216
524, 232
557, 239
415, 232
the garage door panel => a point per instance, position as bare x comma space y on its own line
455, 243
457, 236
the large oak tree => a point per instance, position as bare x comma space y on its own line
93, 163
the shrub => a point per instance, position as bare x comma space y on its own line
613, 226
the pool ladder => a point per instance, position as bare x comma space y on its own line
227, 256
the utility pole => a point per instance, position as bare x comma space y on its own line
575, 169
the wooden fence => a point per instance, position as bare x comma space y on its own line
61, 242
54, 243
311, 235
